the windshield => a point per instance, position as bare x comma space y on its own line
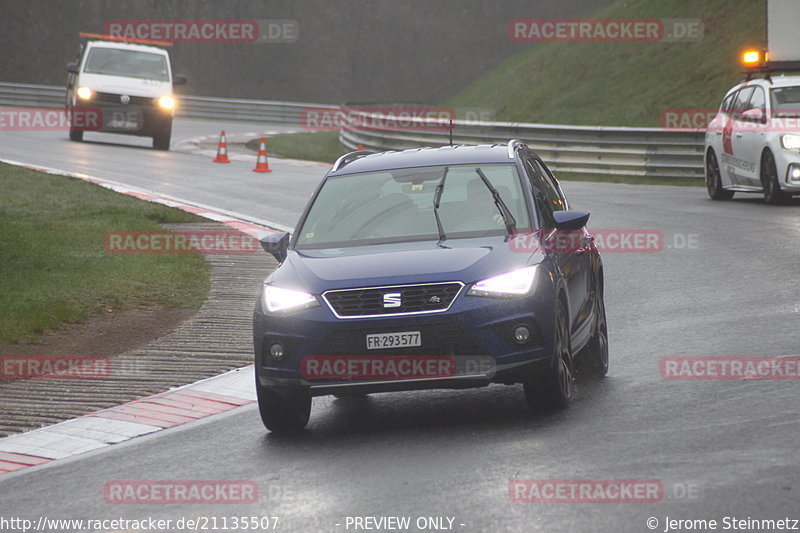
786, 100
129, 63
397, 206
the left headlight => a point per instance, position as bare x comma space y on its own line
512, 283
276, 299
166, 102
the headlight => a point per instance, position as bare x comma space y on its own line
84, 93
166, 102
791, 141
508, 284
277, 299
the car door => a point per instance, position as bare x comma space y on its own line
715, 130
570, 251
733, 140
750, 138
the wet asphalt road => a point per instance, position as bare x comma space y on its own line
724, 284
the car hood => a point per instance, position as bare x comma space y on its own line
466, 260
122, 85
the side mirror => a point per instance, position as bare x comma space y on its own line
276, 244
72, 68
179, 79
570, 220
753, 115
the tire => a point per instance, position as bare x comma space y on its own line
283, 413
554, 388
75, 135
769, 180
162, 139
714, 179
595, 357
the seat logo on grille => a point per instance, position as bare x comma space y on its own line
392, 299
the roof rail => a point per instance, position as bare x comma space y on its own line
116, 38
349, 157
513, 144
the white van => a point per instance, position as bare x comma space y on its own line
130, 84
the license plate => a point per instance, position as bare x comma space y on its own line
123, 124
401, 339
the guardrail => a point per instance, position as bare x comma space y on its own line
651, 152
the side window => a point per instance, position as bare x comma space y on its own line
552, 192
757, 100
540, 194
727, 103
740, 103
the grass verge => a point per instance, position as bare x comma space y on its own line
53, 266
321, 146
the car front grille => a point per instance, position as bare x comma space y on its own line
393, 300
111, 98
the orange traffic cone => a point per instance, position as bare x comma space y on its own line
222, 149
261, 163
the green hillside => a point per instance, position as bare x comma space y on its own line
624, 83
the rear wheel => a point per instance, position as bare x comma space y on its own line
769, 180
554, 387
283, 412
714, 179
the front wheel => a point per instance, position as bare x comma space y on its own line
554, 387
283, 412
162, 137
769, 180
596, 352
714, 179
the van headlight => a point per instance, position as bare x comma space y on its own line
85, 93
276, 299
512, 283
166, 102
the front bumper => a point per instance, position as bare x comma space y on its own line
476, 334
142, 116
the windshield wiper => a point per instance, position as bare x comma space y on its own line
508, 218
437, 196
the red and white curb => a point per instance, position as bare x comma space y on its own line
132, 419
151, 413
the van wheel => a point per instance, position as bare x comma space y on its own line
75, 135
162, 139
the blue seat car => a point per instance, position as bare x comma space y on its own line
430, 268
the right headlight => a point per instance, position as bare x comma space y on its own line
514, 283
276, 299
790, 141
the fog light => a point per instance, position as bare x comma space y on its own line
794, 173
276, 352
522, 334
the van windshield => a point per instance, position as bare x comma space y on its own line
128, 63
